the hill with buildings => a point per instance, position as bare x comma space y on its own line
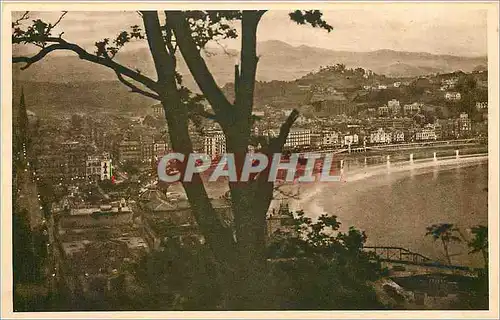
287, 77
278, 61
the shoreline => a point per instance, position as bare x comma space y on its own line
402, 166
306, 192
369, 171
217, 189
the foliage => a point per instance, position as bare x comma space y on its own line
480, 240
178, 278
445, 232
318, 267
212, 25
313, 17
312, 269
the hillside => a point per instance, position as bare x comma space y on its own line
285, 74
278, 61
103, 96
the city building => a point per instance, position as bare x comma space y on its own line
450, 82
398, 136
426, 133
383, 111
438, 130
297, 138
350, 139
97, 245
171, 218
129, 151
214, 143
160, 148
158, 110
447, 128
316, 139
463, 125
98, 167
394, 106
329, 138
412, 108
63, 161
146, 148
452, 96
371, 112
380, 136
482, 105
332, 104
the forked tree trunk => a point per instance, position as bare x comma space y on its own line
243, 267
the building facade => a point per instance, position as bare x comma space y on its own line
380, 136
98, 167
453, 96
130, 151
214, 143
426, 133
394, 106
298, 138
463, 126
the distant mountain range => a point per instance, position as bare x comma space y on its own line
70, 84
278, 61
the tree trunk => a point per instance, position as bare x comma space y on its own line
219, 238
445, 246
246, 287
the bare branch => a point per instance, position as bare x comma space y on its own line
59, 20
23, 17
61, 44
224, 48
134, 88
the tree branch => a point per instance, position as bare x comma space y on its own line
277, 143
61, 44
263, 189
176, 20
23, 17
135, 89
246, 84
58, 20
164, 62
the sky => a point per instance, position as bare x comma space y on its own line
455, 28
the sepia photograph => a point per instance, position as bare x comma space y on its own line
323, 157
